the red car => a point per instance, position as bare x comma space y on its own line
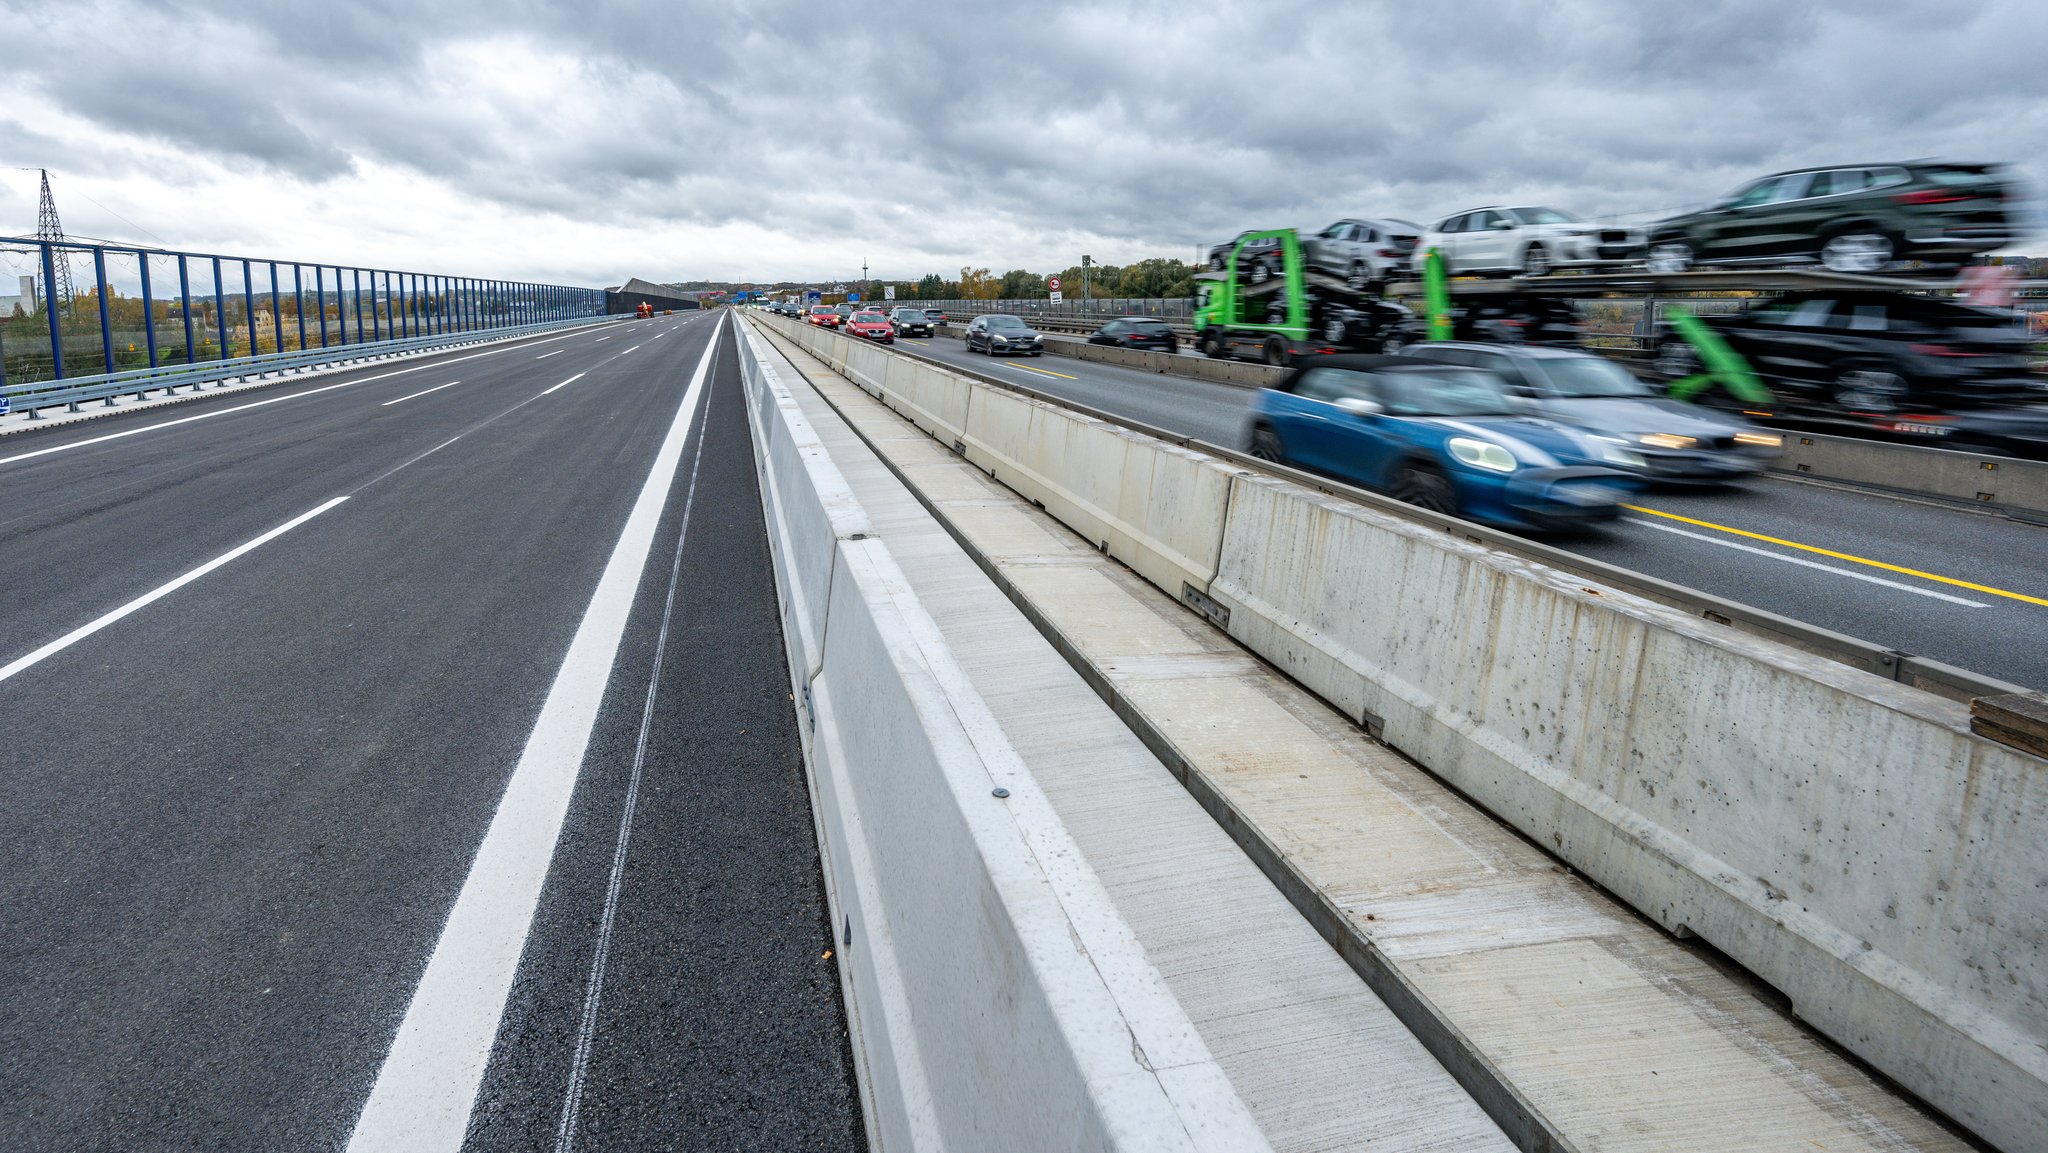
823, 316
873, 326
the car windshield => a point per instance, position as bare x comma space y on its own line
1444, 392
1589, 376
1005, 322
870, 317
909, 314
1543, 216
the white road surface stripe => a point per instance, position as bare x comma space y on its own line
545, 355
1804, 563
273, 400
635, 348
158, 593
427, 1086
420, 393
553, 387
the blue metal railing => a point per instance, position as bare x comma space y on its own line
73, 391
327, 306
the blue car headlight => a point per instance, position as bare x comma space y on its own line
1481, 454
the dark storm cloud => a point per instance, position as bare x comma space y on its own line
995, 134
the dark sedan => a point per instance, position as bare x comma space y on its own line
1137, 332
1677, 441
1874, 353
999, 332
911, 322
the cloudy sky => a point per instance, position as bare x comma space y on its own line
590, 142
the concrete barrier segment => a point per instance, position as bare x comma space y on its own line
998, 998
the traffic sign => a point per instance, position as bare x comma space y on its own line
1056, 296
1053, 283
853, 298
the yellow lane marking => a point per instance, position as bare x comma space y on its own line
1042, 371
1852, 558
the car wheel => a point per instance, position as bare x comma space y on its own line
1215, 262
1858, 250
1335, 329
1266, 445
1677, 358
1359, 277
1870, 388
1536, 261
1259, 273
1667, 256
1210, 345
1425, 487
1276, 352
1392, 343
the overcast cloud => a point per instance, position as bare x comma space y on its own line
588, 143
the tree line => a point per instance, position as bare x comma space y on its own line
1157, 277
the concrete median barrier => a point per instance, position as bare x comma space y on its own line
997, 999
2000, 482
1846, 838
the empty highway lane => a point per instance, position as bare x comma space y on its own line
403, 759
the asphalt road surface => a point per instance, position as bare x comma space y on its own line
341, 804
1976, 596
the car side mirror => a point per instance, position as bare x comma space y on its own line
1359, 406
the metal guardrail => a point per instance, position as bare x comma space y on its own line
76, 390
1924, 673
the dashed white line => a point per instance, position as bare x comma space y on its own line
1803, 563
551, 388
545, 355
635, 348
158, 593
420, 393
426, 1087
600, 340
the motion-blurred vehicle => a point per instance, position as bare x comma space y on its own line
910, 322
824, 316
871, 326
999, 332
644, 311
1137, 332
1267, 305
1257, 253
1508, 319
1880, 353
1858, 218
1365, 253
1677, 441
1528, 242
1449, 439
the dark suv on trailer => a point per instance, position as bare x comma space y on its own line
1855, 218
1874, 352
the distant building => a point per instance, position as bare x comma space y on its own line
26, 299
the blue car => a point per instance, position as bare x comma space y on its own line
1449, 439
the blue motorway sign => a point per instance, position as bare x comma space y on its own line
853, 298
812, 296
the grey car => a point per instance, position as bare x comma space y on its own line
1366, 253
911, 322
1678, 442
999, 332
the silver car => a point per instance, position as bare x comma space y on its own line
1528, 241
1366, 253
1678, 442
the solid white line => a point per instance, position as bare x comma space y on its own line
545, 355
551, 388
593, 989
1803, 563
422, 392
275, 400
158, 593
427, 1085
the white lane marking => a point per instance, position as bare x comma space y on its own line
545, 355
635, 348
659, 335
158, 593
420, 393
272, 400
427, 1085
600, 340
551, 388
1804, 563
593, 990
